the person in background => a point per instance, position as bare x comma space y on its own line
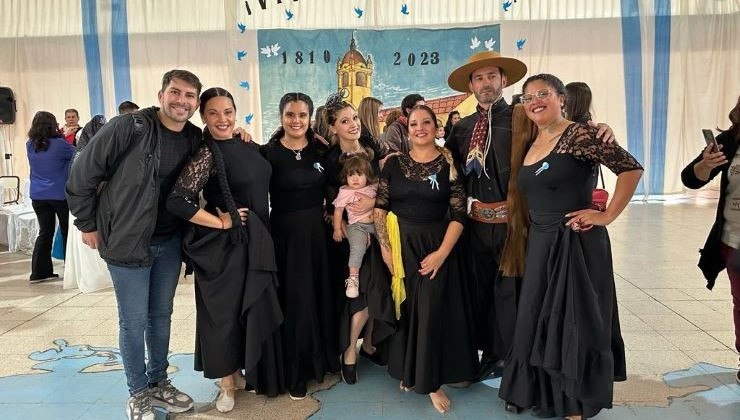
567, 349
83, 267
721, 248
369, 111
578, 102
320, 127
127, 107
440, 136
71, 125
397, 135
49, 157
452, 118
89, 130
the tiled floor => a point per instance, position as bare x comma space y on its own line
59, 356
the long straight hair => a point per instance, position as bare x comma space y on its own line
523, 133
368, 112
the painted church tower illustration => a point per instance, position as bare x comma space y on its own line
354, 74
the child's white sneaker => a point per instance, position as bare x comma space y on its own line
352, 285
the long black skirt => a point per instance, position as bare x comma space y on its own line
434, 343
372, 297
237, 316
568, 348
307, 297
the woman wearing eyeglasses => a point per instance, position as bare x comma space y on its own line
567, 349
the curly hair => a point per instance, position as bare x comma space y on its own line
43, 127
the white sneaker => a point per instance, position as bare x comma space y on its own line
353, 287
139, 407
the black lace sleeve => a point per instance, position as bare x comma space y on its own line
458, 199
580, 141
183, 200
382, 198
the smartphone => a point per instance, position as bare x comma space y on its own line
709, 138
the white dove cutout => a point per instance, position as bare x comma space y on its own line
489, 44
270, 50
474, 43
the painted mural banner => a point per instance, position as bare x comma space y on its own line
385, 64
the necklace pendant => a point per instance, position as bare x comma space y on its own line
298, 155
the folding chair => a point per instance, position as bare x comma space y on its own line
11, 184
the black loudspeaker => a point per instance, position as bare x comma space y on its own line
7, 106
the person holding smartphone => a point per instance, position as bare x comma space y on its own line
720, 251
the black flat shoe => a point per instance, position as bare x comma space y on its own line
349, 374
375, 357
512, 408
298, 392
38, 279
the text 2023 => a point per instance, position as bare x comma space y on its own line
425, 58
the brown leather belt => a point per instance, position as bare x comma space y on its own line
489, 212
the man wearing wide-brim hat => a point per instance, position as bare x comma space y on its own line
481, 143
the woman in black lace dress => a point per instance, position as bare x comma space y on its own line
567, 349
237, 310
308, 298
419, 216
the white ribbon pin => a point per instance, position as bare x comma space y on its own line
545, 166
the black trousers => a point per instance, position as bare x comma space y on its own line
45, 211
494, 296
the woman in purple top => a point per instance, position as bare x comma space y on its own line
49, 157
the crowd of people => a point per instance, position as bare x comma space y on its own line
429, 243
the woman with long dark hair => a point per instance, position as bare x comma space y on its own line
567, 349
49, 157
452, 118
237, 309
721, 250
578, 102
307, 297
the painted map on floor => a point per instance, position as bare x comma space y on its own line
74, 381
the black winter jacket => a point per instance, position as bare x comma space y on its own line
125, 153
711, 261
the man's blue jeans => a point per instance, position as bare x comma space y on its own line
144, 296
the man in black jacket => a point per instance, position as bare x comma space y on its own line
481, 143
140, 156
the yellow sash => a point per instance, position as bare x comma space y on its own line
398, 288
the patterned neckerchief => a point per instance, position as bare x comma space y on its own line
477, 148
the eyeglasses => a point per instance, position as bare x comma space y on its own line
529, 97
